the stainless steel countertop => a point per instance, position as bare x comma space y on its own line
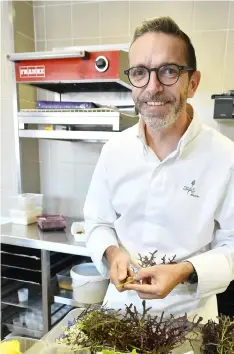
31, 236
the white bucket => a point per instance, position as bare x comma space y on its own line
89, 287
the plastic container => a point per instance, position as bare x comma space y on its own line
89, 287
64, 279
52, 222
23, 294
77, 230
25, 217
27, 345
27, 201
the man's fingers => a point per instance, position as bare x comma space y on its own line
145, 273
142, 288
118, 274
122, 269
113, 273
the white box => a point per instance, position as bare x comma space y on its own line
27, 201
25, 217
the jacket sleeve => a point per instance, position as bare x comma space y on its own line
215, 268
99, 216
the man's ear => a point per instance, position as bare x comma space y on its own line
193, 83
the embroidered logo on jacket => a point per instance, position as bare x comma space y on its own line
191, 190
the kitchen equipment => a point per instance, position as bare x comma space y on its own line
77, 81
89, 287
52, 222
224, 105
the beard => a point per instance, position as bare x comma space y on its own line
164, 119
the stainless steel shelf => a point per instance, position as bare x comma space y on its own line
21, 280
66, 297
9, 294
13, 266
84, 118
20, 255
12, 299
31, 236
67, 135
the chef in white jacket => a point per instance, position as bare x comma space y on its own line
166, 184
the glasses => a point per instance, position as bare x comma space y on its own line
168, 74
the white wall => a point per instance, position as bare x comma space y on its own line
8, 157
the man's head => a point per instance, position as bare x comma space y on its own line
160, 95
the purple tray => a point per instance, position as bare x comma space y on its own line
64, 105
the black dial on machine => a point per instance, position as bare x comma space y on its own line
101, 64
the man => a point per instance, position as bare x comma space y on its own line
166, 184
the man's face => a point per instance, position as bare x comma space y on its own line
160, 105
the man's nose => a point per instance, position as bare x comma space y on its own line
154, 85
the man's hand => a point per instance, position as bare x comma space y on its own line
158, 281
119, 266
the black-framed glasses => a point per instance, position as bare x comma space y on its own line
167, 74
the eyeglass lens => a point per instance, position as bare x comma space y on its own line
167, 75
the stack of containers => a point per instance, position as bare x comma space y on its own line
26, 208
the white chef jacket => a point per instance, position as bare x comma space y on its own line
183, 206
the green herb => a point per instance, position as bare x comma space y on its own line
127, 332
218, 338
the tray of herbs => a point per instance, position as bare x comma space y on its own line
107, 331
110, 331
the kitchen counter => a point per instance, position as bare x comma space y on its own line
31, 236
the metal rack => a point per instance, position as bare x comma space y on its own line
41, 289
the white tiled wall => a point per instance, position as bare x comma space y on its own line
66, 167
8, 186
66, 170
